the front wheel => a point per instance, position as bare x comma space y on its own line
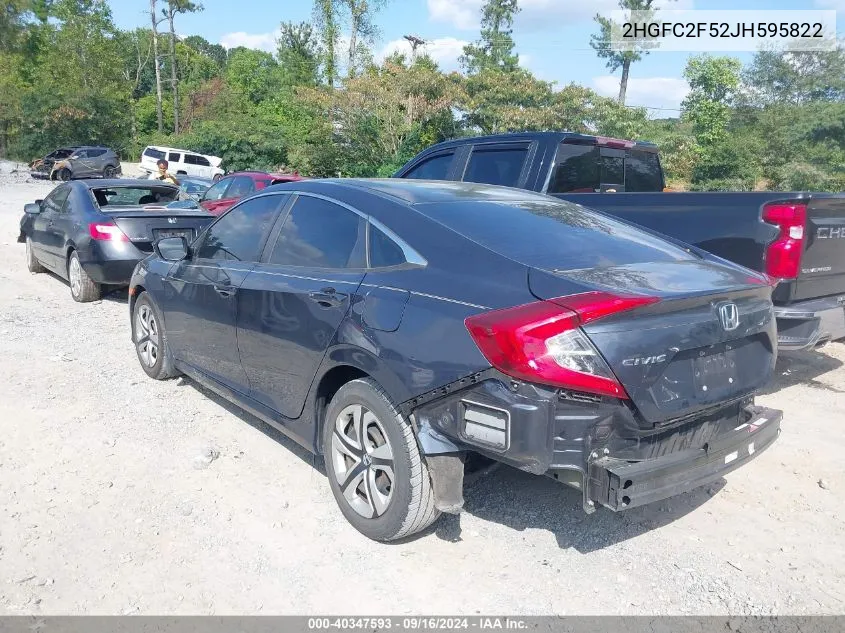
64, 174
32, 264
376, 472
151, 340
217, 177
82, 288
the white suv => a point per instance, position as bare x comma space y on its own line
181, 161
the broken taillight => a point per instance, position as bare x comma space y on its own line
542, 341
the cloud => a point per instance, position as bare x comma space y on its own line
654, 92
536, 14
445, 51
258, 41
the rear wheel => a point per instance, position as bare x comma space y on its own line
151, 340
376, 472
110, 171
82, 288
32, 264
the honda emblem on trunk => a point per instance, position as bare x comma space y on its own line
729, 316
171, 220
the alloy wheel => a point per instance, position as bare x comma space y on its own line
362, 458
147, 338
75, 275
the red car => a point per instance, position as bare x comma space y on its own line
223, 195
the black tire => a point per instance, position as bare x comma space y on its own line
109, 172
65, 174
147, 332
409, 505
32, 264
181, 172
82, 288
216, 177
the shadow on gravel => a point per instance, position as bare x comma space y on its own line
258, 424
803, 368
522, 501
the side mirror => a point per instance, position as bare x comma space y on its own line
33, 208
172, 249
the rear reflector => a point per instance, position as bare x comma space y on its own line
783, 256
541, 342
107, 231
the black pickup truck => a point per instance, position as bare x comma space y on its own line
797, 238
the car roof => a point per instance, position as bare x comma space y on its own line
98, 183
534, 136
417, 191
262, 175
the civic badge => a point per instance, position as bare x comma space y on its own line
729, 316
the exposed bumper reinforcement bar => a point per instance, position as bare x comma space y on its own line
618, 484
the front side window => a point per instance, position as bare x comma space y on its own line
239, 234
56, 200
496, 166
241, 186
435, 168
218, 190
320, 234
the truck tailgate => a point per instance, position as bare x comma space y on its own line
823, 262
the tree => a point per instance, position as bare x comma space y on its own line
156, 65
616, 59
298, 54
326, 19
776, 77
173, 7
215, 52
361, 28
713, 83
495, 49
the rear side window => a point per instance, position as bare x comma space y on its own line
174, 157
320, 234
94, 153
237, 235
590, 168
217, 191
383, 250
496, 166
153, 153
193, 159
434, 168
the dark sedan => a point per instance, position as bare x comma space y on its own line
399, 327
93, 232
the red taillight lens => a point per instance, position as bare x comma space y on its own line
107, 231
542, 342
783, 256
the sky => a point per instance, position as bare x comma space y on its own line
552, 36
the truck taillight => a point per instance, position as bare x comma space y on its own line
783, 256
542, 342
107, 231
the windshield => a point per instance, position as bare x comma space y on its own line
136, 196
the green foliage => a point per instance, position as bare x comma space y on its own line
496, 49
298, 54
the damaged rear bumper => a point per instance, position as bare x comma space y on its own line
619, 484
595, 444
809, 323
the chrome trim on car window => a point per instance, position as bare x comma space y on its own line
411, 255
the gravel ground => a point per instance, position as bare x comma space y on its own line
119, 495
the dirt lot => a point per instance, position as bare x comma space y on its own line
105, 507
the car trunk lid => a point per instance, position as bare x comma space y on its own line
709, 340
145, 226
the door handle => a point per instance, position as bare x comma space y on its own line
327, 297
224, 292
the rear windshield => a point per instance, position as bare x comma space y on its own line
153, 153
553, 234
590, 168
111, 197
